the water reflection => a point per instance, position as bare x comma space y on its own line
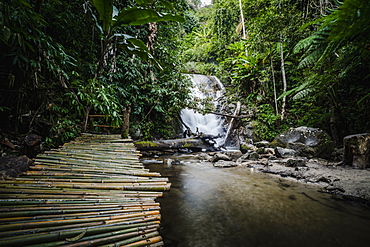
210, 206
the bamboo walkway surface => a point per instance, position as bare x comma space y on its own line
90, 192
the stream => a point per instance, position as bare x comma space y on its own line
209, 206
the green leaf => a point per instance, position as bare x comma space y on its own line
139, 16
167, 4
105, 10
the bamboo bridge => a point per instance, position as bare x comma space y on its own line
90, 192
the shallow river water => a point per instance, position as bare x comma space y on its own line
209, 206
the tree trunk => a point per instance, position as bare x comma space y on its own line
274, 82
86, 118
283, 76
243, 25
194, 144
126, 122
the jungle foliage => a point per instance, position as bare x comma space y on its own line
320, 47
62, 60
303, 62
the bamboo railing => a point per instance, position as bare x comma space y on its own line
90, 192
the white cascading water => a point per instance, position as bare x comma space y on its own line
210, 124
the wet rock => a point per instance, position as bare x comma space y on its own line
12, 166
172, 162
224, 163
270, 151
295, 162
246, 147
284, 152
302, 149
357, 150
324, 179
334, 189
301, 169
32, 140
204, 156
176, 162
309, 142
242, 158
31, 145
220, 156
262, 144
254, 156
248, 132
235, 155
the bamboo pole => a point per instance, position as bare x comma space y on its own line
32, 224
90, 233
102, 180
149, 238
38, 214
82, 226
4, 202
77, 207
145, 242
57, 174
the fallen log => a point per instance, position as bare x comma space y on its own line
231, 125
193, 144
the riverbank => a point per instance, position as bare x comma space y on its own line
342, 181
250, 208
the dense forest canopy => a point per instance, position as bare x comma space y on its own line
293, 63
61, 60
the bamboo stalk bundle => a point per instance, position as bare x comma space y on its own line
148, 238
89, 206
110, 239
26, 180
68, 151
33, 224
62, 174
41, 214
92, 191
89, 157
71, 197
97, 232
47, 215
87, 170
23, 202
84, 163
150, 241
91, 233
55, 188
66, 188
81, 227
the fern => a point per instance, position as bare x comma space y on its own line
345, 26
303, 93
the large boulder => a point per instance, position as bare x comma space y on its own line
306, 141
357, 150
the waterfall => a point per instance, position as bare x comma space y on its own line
210, 124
